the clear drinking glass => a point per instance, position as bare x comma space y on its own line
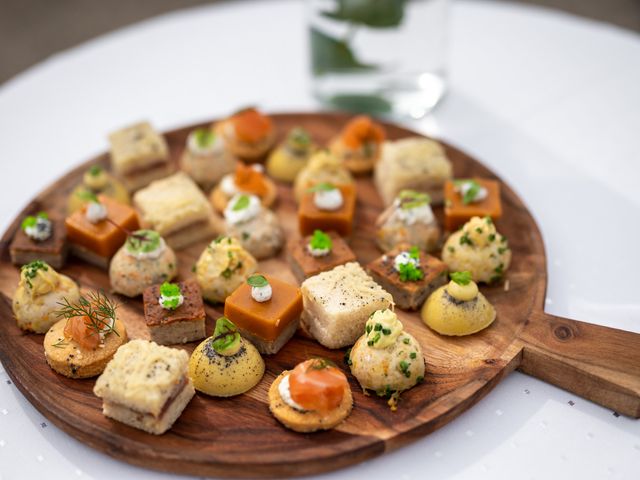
379, 56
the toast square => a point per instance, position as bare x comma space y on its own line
182, 325
337, 304
408, 295
136, 148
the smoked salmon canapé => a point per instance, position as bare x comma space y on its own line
82, 343
359, 144
246, 179
315, 395
248, 134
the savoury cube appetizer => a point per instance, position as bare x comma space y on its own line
326, 206
146, 386
139, 155
473, 197
39, 238
266, 311
408, 274
414, 163
317, 253
178, 210
338, 303
98, 230
174, 312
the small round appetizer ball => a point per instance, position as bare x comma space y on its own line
39, 293
315, 395
82, 343
323, 167
359, 144
286, 161
478, 248
144, 260
225, 364
409, 219
458, 308
248, 134
97, 181
386, 359
222, 267
248, 179
205, 158
257, 228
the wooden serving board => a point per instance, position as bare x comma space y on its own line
238, 437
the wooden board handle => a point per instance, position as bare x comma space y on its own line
598, 363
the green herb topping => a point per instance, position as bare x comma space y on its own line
30, 270
95, 170
31, 221
143, 241
410, 199
299, 139
204, 137
257, 281
320, 241
322, 187
242, 203
99, 309
88, 196
170, 296
403, 366
225, 335
464, 239
410, 271
320, 363
469, 189
461, 278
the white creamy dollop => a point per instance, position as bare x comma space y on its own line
41, 231
95, 212
163, 299
107, 328
480, 195
262, 294
328, 199
402, 259
409, 216
285, 394
317, 252
215, 147
244, 214
228, 185
152, 255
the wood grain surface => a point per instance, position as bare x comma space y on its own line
238, 437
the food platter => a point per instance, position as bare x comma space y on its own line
237, 437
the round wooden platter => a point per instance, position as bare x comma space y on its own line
238, 437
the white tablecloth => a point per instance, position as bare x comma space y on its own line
549, 101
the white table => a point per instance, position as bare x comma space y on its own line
549, 101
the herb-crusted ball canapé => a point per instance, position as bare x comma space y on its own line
222, 267
39, 294
225, 364
387, 359
144, 260
409, 219
205, 158
479, 249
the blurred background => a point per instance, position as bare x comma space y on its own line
31, 30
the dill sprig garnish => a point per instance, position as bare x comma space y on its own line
99, 309
60, 343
